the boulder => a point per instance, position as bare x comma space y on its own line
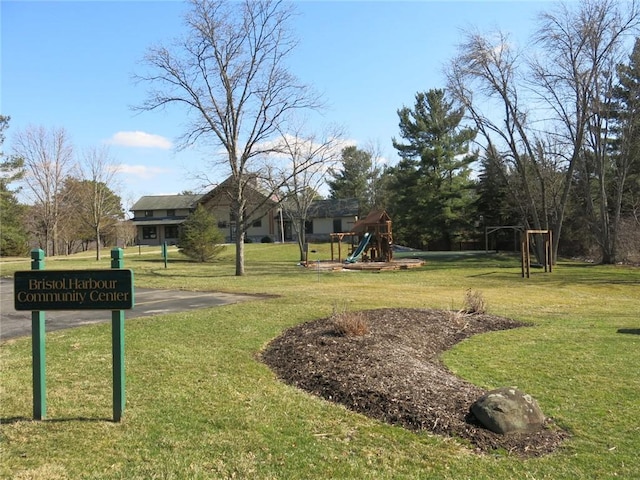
507, 410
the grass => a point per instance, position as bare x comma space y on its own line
200, 406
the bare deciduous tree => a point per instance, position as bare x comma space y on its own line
581, 47
486, 78
541, 108
48, 160
229, 73
99, 207
308, 157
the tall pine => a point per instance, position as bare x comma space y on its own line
353, 179
431, 191
13, 235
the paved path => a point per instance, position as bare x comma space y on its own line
147, 302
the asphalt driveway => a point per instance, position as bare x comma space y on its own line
148, 302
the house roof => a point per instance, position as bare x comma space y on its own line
166, 202
251, 188
344, 207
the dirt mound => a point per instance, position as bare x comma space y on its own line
393, 373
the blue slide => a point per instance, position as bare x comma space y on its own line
363, 244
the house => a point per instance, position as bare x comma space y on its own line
325, 217
261, 212
158, 217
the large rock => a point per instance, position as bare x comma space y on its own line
507, 410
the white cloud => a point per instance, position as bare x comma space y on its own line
142, 171
140, 140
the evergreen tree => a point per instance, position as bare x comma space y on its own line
626, 146
492, 190
13, 235
200, 237
495, 203
432, 193
353, 180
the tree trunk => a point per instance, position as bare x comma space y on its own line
301, 241
239, 251
54, 242
97, 232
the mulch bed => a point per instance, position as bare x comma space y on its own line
393, 373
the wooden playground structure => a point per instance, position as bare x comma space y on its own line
370, 246
376, 239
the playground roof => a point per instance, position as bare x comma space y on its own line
376, 217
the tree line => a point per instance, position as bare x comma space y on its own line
542, 137
70, 205
554, 130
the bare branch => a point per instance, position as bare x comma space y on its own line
229, 74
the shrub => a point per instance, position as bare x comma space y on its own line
458, 318
200, 237
474, 302
266, 239
349, 324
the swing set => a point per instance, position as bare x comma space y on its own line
525, 245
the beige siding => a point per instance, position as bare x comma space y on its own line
322, 226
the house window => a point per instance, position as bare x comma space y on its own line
171, 231
257, 223
171, 213
337, 225
148, 213
308, 227
149, 233
223, 224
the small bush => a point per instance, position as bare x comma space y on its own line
349, 324
266, 239
474, 302
457, 318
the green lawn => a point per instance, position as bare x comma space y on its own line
199, 405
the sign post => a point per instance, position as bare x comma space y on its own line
38, 350
165, 253
40, 290
117, 347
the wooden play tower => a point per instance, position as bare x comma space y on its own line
376, 227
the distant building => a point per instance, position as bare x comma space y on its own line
158, 217
330, 216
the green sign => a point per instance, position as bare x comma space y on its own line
40, 290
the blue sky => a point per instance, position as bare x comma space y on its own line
69, 64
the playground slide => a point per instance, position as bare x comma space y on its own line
363, 244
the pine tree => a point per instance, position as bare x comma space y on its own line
436, 207
353, 180
13, 235
200, 237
